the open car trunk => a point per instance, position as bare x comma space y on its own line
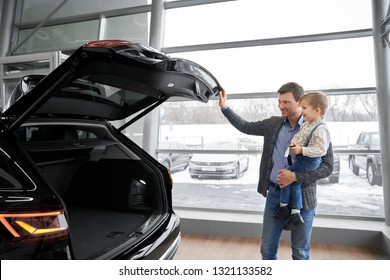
112, 197
93, 193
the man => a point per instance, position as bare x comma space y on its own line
278, 132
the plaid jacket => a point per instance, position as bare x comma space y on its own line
269, 128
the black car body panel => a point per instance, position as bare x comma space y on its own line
73, 185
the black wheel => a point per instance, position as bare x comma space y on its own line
352, 165
372, 177
247, 164
333, 179
237, 175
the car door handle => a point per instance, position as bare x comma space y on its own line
78, 144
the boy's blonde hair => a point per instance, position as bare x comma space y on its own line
317, 99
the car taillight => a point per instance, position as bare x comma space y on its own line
24, 226
170, 177
107, 44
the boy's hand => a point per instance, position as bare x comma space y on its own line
295, 148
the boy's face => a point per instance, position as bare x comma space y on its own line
288, 107
309, 113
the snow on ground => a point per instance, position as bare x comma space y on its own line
353, 195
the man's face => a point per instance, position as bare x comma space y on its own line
288, 106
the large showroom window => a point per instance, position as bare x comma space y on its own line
133, 28
203, 127
37, 10
63, 36
253, 49
253, 19
334, 64
66, 25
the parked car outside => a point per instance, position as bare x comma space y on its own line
219, 165
174, 161
251, 144
335, 176
370, 162
73, 186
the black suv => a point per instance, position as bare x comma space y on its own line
73, 186
369, 158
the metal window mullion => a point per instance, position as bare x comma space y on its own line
272, 41
102, 27
386, 30
87, 17
189, 3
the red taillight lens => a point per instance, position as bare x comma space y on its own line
107, 43
30, 225
170, 177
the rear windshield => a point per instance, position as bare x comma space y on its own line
12, 177
91, 89
51, 133
375, 139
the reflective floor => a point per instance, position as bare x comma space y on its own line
202, 247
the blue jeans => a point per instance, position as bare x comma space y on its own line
292, 194
273, 228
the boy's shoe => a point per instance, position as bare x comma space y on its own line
282, 212
294, 221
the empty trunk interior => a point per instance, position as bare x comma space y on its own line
110, 194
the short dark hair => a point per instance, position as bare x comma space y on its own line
294, 88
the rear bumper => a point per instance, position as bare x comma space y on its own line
166, 244
170, 253
220, 171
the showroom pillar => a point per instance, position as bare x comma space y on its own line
7, 12
151, 127
381, 31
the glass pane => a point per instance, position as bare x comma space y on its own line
12, 177
37, 10
31, 66
58, 37
134, 28
343, 193
332, 64
9, 86
254, 19
97, 88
